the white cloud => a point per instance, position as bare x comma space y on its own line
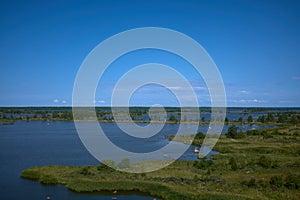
249, 101
187, 88
244, 92
176, 88
101, 101
200, 88
64, 101
56, 101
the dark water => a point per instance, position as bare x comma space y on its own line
38, 143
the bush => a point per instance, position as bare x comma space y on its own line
233, 164
232, 132
252, 183
106, 165
85, 171
264, 162
292, 182
199, 136
267, 135
203, 164
262, 183
276, 181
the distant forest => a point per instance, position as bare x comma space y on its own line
141, 114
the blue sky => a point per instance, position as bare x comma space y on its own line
255, 44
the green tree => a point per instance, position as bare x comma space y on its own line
261, 119
264, 162
292, 181
199, 136
172, 118
282, 118
202, 119
250, 119
226, 120
294, 119
240, 119
55, 115
232, 131
270, 117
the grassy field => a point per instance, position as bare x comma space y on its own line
262, 164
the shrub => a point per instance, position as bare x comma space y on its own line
252, 182
264, 162
203, 164
276, 181
106, 165
232, 132
85, 171
292, 182
262, 183
267, 135
233, 164
199, 136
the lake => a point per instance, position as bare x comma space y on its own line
37, 143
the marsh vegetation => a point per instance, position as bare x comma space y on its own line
259, 164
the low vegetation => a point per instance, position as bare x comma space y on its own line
260, 164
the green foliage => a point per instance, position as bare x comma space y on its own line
232, 132
286, 117
172, 118
85, 171
203, 164
31, 174
199, 136
270, 118
240, 119
261, 119
226, 120
282, 118
250, 119
252, 183
266, 134
264, 162
250, 161
202, 119
48, 179
292, 182
233, 164
276, 181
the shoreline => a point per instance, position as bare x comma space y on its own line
245, 169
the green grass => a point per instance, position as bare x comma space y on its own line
252, 167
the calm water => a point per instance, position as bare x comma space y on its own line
24, 145
37, 143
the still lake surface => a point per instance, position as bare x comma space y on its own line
37, 143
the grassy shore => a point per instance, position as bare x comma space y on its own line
263, 164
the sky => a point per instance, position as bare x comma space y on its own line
254, 44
